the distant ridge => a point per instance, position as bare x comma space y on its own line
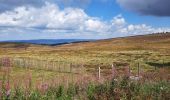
51, 42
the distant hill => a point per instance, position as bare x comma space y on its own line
48, 41
157, 41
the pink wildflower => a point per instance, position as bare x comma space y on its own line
7, 88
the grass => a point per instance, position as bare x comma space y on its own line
151, 52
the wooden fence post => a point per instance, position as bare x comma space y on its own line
71, 72
163, 64
71, 68
20, 62
129, 71
113, 71
99, 72
52, 65
138, 69
59, 66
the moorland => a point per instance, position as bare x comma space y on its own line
134, 67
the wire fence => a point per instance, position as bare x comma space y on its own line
66, 67
30, 63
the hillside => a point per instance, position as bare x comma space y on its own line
124, 49
141, 42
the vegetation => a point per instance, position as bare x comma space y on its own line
115, 89
131, 68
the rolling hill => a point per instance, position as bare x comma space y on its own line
142, 42
159, 41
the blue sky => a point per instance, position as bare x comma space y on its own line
81, 19
107, 10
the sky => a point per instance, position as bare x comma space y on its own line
81, 19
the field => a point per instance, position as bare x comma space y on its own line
136, 67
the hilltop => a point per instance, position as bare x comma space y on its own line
141, 42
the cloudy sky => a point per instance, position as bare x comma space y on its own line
81, 19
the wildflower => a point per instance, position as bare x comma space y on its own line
7, 88
6, 62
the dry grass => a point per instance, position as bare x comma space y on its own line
131, 50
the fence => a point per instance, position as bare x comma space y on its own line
63, 67
30, 63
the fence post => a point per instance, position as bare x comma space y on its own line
129, 71
20, 62
53, 66
138, 69
71, 72
59, 66
155, 67
113, 71
70, 67
99, 72
163, 64
23, 61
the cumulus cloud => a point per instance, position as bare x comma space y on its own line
118, 21
51, 17
49, 21
147, 7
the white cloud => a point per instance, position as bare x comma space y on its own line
50, 16
139, 29
50, 21
118, 21
96, 25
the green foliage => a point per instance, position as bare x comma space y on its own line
60, 91
91, 92
72, 91
124, 83
35, 95
121, 89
